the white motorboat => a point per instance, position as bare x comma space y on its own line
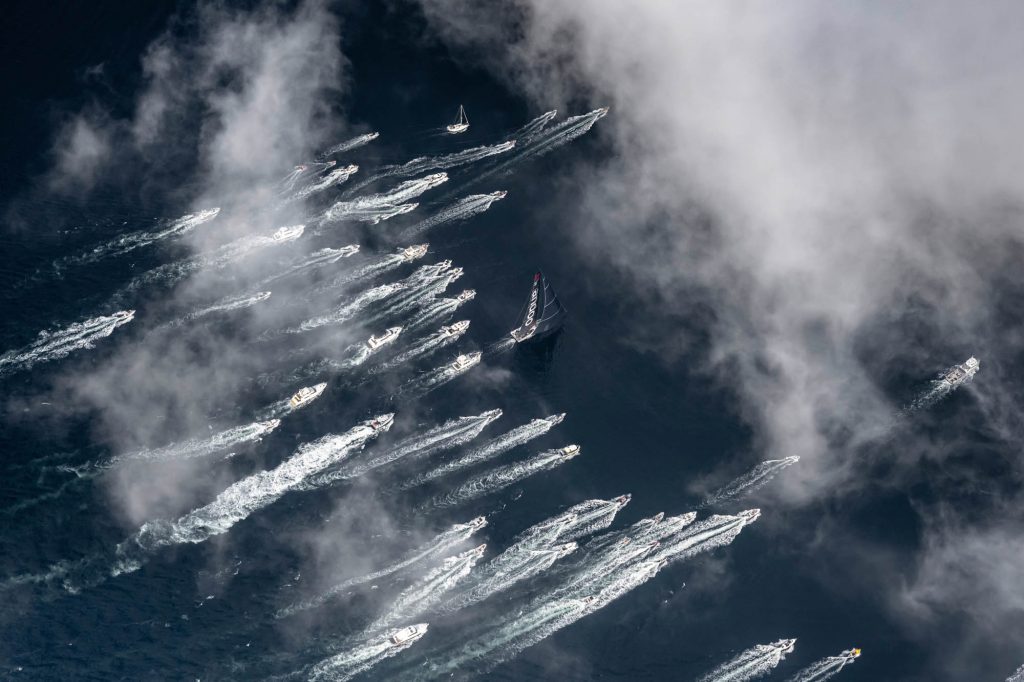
467, 295
464, 362
569, 451
288, 233
411, 253
306, 395
407, 635
455, 329
382, 422
961, 373
378, 342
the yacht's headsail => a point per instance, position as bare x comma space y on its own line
543, 313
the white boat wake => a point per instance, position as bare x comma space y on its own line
830, 666
423, 347
752, 663
463, 209
444, 162
362, 657
128, 243
529, 131
500, 478
750, 481
348, 145
346, 312
449, 435
222, 306
252, 493
1018, 676
426, 592
376, 207
437, 310
436, 547
493, 448
710, 533
334, 178
316, 259
62, 342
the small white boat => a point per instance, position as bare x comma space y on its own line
500, 194
455, 329
477, 523
378, 342
461, 124
555, 419
123, 316
407, 635
569, 451
466, 361
786, 646
750, 515
454, 274
350, 169
435, 179
474, 553
565, 549
307, 395
622, 500
382, 422
288, 233
467, 295
413, 252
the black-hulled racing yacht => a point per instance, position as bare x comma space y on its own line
542, 315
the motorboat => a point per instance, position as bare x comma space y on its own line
268, 426
443, 265
307, 395
785, 646
378, 342
454, 274
455, 329
466, 361
851, 654
555, 419
500, 194
461, 124
411, 253
750, 515
622, 500
467, 295
569, 451
961, 373
407, 635
477, 523
288, 233
658, 518
123, 316
382, 422
565, 549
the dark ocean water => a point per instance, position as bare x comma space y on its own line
649, 425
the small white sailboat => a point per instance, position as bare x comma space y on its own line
461, 124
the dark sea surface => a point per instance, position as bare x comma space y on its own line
650, 424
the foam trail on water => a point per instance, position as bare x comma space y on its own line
500, 346
360, 658
252, 493
590, 516
348, 145
381, 206
62, 342
1018, 676
333, 179
515, 565
350, 309
289, 181
443, 162
438, 377
827, 667
128, 243
425, 593
750, 481
449, 435
752, 663
710, 533
437, 546
500, 478
172, 273
546, 615
222, 306
438, 309
326, 256
547, 141
197, 447
534, 127
374, 268
493, 448
657, 527
422, 347
463, 209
